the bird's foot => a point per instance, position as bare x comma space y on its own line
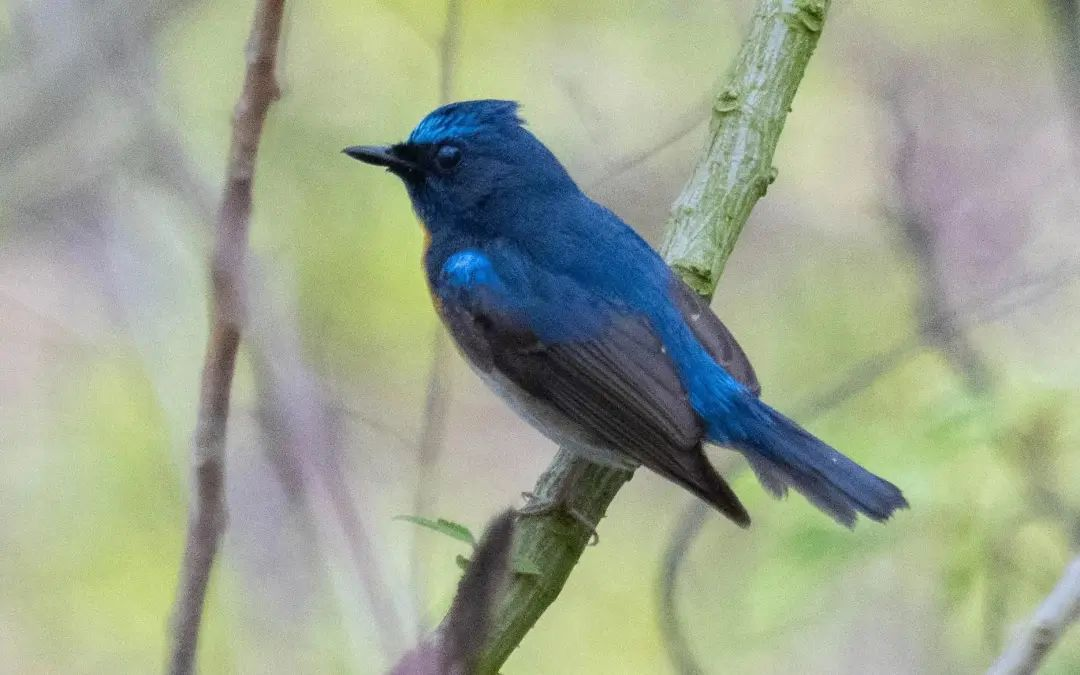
540, 506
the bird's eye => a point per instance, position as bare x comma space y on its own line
447, 157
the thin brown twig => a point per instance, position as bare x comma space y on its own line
206, 520
938, 328
306, 455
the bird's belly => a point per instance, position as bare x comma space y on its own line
549, 421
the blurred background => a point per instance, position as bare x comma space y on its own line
908, 289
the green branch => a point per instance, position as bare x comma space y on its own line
736, 169
748, 116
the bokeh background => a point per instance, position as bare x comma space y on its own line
908, 289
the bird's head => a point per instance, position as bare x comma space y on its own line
466, 155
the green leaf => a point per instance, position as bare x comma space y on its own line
462, 562
447, 527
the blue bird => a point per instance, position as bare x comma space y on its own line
577, 322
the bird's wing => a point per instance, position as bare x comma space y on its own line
603, 369
714, 335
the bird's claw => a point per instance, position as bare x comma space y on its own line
537, 506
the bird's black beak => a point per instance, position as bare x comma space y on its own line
379, 155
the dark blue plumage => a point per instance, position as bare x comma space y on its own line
579, 324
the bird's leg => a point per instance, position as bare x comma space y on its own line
560, 501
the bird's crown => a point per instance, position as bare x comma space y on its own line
466, 118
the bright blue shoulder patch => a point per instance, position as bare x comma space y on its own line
464, 118
468, 269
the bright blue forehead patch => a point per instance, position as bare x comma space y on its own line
465, 118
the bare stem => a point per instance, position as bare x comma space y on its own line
1065, 15
1057, 612
206, 520
429, 448
436, 402
938, 325
448, 49
675, 640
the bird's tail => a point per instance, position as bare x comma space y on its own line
784, 455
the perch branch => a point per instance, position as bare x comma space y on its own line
206, 519
736, 169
